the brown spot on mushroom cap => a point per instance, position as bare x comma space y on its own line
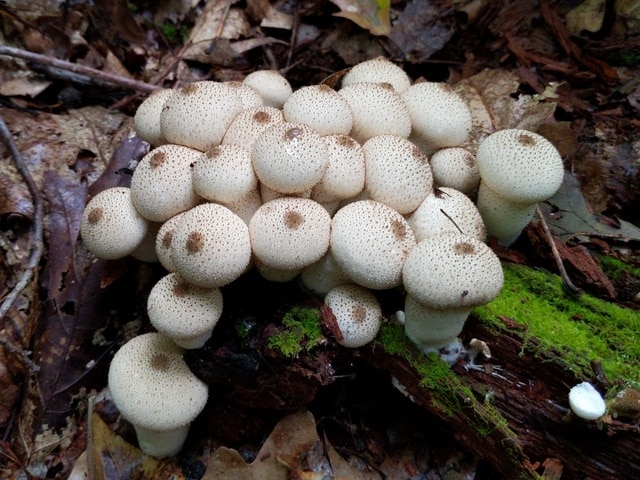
189, 89
157, 159
359, 313
166, 239
293, 219
180, 289
262, 117
292, 134
213, 152
195, 242
95, 215
347, 142
526, 139
160, 362
464, 248
398, 228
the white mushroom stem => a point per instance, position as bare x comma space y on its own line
161, 444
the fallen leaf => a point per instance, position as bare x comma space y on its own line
372, 15
588, 16
24, 86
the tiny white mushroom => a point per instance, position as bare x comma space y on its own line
320, 107
146, 121
455, 167
323, 275
378, 70
586, 402
271, 85
357, 312
249, 97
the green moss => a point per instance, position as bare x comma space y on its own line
616, 269
175, 35
580, 330
301, 330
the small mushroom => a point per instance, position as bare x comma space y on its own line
164, 238
323, 275
146, 121
271, 85
455, 167
586, 402
378, 70
249, 97
320, 107
357, 312
250, 123
153, 388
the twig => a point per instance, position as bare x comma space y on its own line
111, 78
36, 240
556, 255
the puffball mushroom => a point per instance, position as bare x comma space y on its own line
153, 388
586, 402
198, 114
378, 70
250, 123
249, 97
370, 241
455, 167
518, 169
110, 226
146, 121
357, 312
210, 246
323, 275
184, 312
164, 238
445, 276
271, 85
320, 107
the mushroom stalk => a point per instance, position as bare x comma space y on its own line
161, 443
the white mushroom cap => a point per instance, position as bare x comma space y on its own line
250, 123
378, 70
164, 238
289, 157
267, 194
345, 173
184, 312
110, 226
586, 402
146, 121
224, 174
153, 388
197, 115
321, 276
271, 85
320, 107
397, 173
161, 184
455, 167
276, 274
452, 271
249, 97
289, 233
377, 110
146, 250
246, 206
210, 246
370, 242
357, 313
439, 117
447, 210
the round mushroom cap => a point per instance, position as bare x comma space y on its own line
289, 157
164, 238
146, 250
439, 116
152, 386
161, 185
289, 233
345, 173
455, 167
246, 206
320, 107
321, 276
111, 227
249, 124
378, 70
397, 173
357, 312
586, 402
377, 110
447, 210
520, 166
210, 246
146, 121
249, 97
370, 241
452, 270
224, 174
197, 115
271, 85
184, 312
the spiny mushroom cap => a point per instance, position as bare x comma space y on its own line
161, 184
378, 70
586, 402
146, 121
370, 241
357, 313
447, 210
290, 233
320, 107
520, 166
345, 173
289, 157
152, 386
439, 117
397, 173
210, 246
224, 174
182, 311
377, 110
249, 97
271, 85
111, 227
164, 238
249, 124
452, 270
455, 167
197, 115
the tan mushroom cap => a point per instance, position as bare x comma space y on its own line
271, 85
290, 233
146, 121
249, 124
210, 246
377, 110
111, 227
397, 173
154, 389
198, 115
184, 312
455, 167
357, 313
161, 184
378, 70
320, 107
370, 241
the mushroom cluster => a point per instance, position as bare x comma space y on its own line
334, 187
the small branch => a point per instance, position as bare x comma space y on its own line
110, 78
